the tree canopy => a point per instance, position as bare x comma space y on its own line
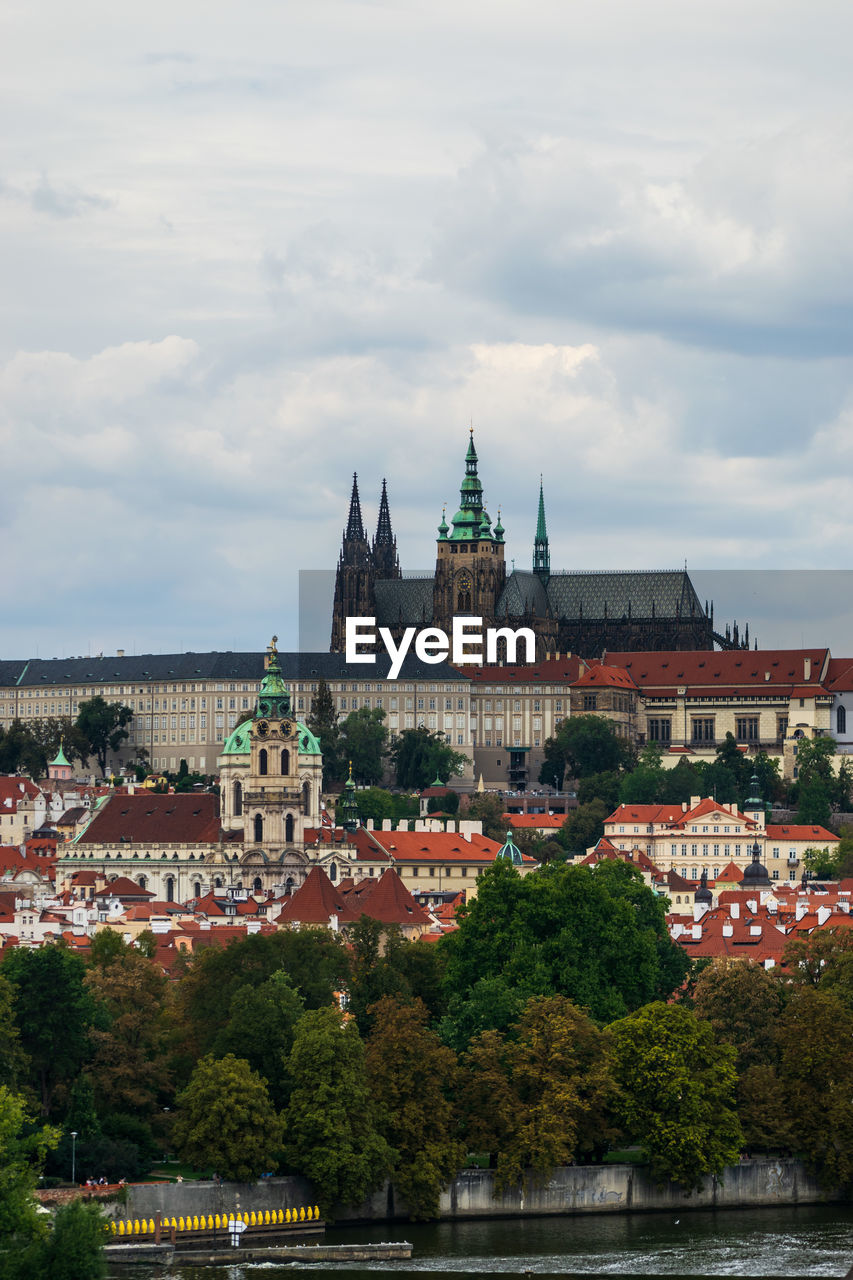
226, 1121
101, 726
419, 756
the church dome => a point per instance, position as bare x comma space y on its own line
239, 741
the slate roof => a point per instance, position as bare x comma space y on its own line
404, 600
152, 818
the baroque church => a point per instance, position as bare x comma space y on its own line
585, 613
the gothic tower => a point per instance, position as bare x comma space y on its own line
386, 562
469, 569
354, 578
541, 554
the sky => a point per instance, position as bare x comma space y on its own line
248, 249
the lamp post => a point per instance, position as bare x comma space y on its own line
73, 1155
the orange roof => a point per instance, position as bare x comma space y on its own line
438, 846
388, 900
604, 676
532, 821
315, 902
773, 670
731, 874
552, 670
776, 832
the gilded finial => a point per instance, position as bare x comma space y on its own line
273, 644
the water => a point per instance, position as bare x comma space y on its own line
808, 1241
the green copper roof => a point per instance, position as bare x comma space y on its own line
272, 685
60, 758
541, 530
239, 741
443, 527
510, 851
471, 522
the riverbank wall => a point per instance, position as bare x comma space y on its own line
608, 1188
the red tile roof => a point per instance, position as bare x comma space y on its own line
155, 819
603, 675
387, 900
315, 902
800, 832
438, 847
774, 670
551, 670
532, 821
122, 887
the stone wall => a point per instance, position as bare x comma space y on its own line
576, 1189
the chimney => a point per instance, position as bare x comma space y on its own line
697, 933
800, 910
119, 653
734, 911
823, 914
807, 668
728, 929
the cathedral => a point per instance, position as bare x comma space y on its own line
584, 613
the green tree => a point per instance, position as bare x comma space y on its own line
448, 803
412, 1076
129, 1066
823, 959
491, 1004
822, 864
323, 723
677, 1093
22, 1149
54, 1011
816, 1044
331, 1124
742, 1001
226, 1121
261, 1027
552, 1104
488, 808
75, 1248
418, 757
813, 804
594, 934
583, 827
101, 726
584, 745
600, 786
14, 1064
364, 742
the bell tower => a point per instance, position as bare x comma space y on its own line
469, 567
276, 805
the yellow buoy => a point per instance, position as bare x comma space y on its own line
316, 1212
309, 1213
216, 1223
267, 1218
136, 1226
195, 1222
181, 1226
302, 1214
121, 1227
281, 1215
151, 1226
287, 1216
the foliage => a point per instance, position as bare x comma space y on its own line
379, 804
742, 1002
816, 1045
75, 1248
491, 1004
54, 1014
364, 742
538, 1098
129, 1066
822, 864
226, 1121
583, 827
813, 805
323, 723
823, 959
412, 1076
677, 1092
488, 808
418, 757
596, 935
100, 725
22, 1149
582, 746
261, 1027
384, 963
448, 803
14, 1063
600, 786
332, 1134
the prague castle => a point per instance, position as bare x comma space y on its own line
583, 613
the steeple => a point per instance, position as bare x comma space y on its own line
386, 562
348, 809
355, 528
467, 523
541, 553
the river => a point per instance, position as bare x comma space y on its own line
807, 1241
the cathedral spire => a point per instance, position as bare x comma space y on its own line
541, 553
355, 528
384, 536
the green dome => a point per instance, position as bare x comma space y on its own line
239, 741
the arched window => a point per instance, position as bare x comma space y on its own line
262, 761
143, 882
170, 888
841, 720
285, 761
217, 884
196, 890
257, 887
333, 871
259, 828
306, 798
288, 828
288, 886
238, 800
463, 602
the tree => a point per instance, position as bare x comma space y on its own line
823, 959
815, 1038
742, 1002
491, 1004
600, 786
261, 1028
594, 934
539, 1097
583, 827
822, 864
677, 1093
448, 803
412, 1076
323, 723
584, 745
101, 727
226, 1121
488, 808
22, 1149
54, 1011
418, 757
75, 1247
129, 1067
331, 1124
14, 1064
364, 742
